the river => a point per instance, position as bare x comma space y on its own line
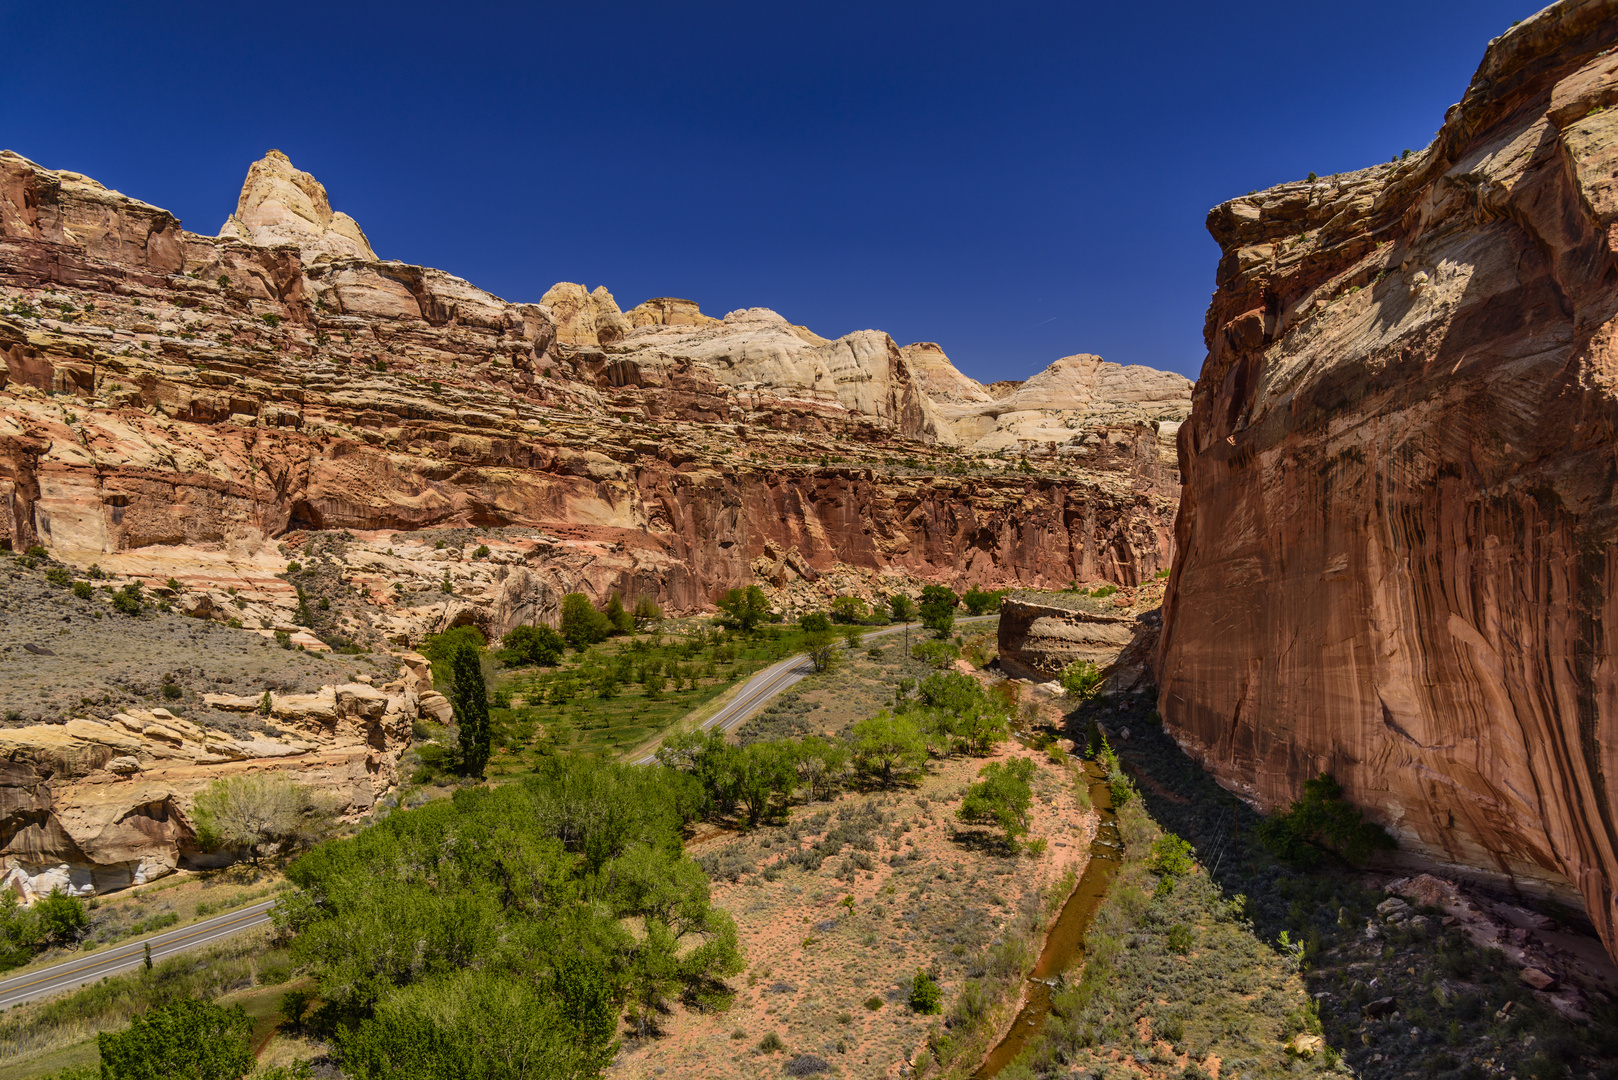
1064, 945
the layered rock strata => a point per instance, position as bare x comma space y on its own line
211, 394
1399, 522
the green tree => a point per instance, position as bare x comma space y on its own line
647, 612
902, 607
301, 615
440, 647
764, 770
963, 711
483, 936
1323, 821
818, 764
62, 918
821, 646
814, 622
925, 995
185, 1038
981, 602
940, 654
849, 610
1118, 782
475, 1025
938, 609
1002, 796
470, 698
745, 608
532, 645
888, 748
582, 625
618, 616
1171, 856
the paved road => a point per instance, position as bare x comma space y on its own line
757, 691
91, 967
754, 695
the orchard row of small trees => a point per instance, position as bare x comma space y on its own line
947, 713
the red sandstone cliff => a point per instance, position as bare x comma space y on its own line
160, 387
1398, 531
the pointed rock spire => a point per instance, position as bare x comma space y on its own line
280, 204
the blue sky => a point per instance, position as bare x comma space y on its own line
1017, 181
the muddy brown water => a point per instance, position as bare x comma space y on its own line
1064, 945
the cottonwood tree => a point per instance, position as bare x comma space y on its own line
818, 764
582, 624
745, 608
938, 609
888, 748
822, 648
1002, 796
186, 1037
259, 813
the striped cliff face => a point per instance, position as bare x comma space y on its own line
160, 387
1399, 518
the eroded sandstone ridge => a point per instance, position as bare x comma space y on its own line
161, 387
1399, 528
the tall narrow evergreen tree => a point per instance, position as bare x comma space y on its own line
471, 701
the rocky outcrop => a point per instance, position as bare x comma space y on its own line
283, 205
91, 806
1038, 636
207, 395
1399, 522
1039, 640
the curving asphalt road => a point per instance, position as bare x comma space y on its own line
754, 695
757, 691
90, 968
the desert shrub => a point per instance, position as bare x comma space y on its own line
1081, 679
82, 590
771, 1043
939, 654
807, 1065
128, 600
60, 576
1179, 939
925, 995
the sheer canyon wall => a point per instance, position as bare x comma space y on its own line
1398, 530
